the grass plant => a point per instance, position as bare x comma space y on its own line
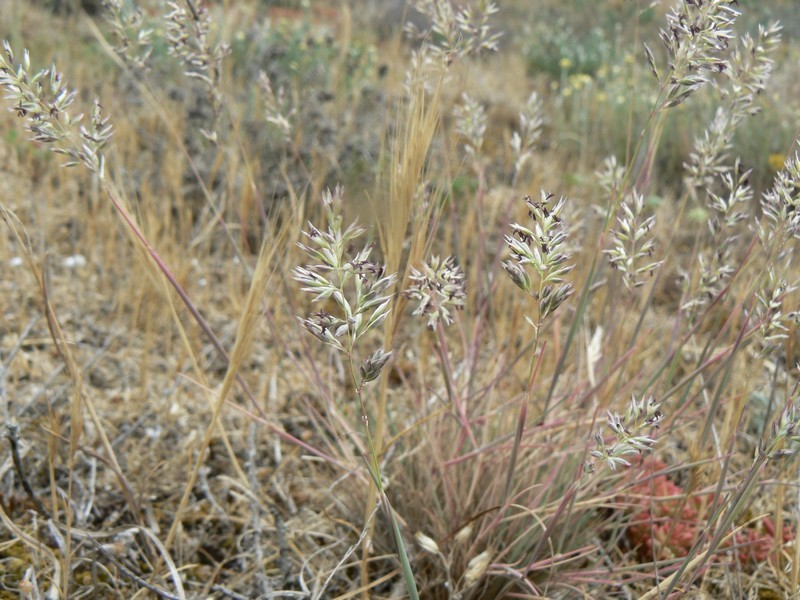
302, 317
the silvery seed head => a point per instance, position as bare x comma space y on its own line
373, 365
539, 249
359, 287
696, 39
274, 113
43, 99
781, 204
471, 124
439, 288
633, 243
188, 33
611, 175
749, 68
524, 140
629, 439
134, 42
458, 31
773, 321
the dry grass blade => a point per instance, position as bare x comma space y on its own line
264, 271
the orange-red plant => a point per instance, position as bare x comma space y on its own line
666, 522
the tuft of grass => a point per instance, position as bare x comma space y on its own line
503, 394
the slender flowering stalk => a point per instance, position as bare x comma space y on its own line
751, 65
360, 291
749, 68
769, 313
708, 161
785, 429
274, 112
728, 209
455, 33
439, 289
188, 32
539, 248
471, 123
713, 178
778, 226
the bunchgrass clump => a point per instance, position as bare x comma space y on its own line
503, 394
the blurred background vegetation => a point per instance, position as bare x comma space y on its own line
582, 57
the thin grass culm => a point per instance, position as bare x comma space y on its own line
361, 292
